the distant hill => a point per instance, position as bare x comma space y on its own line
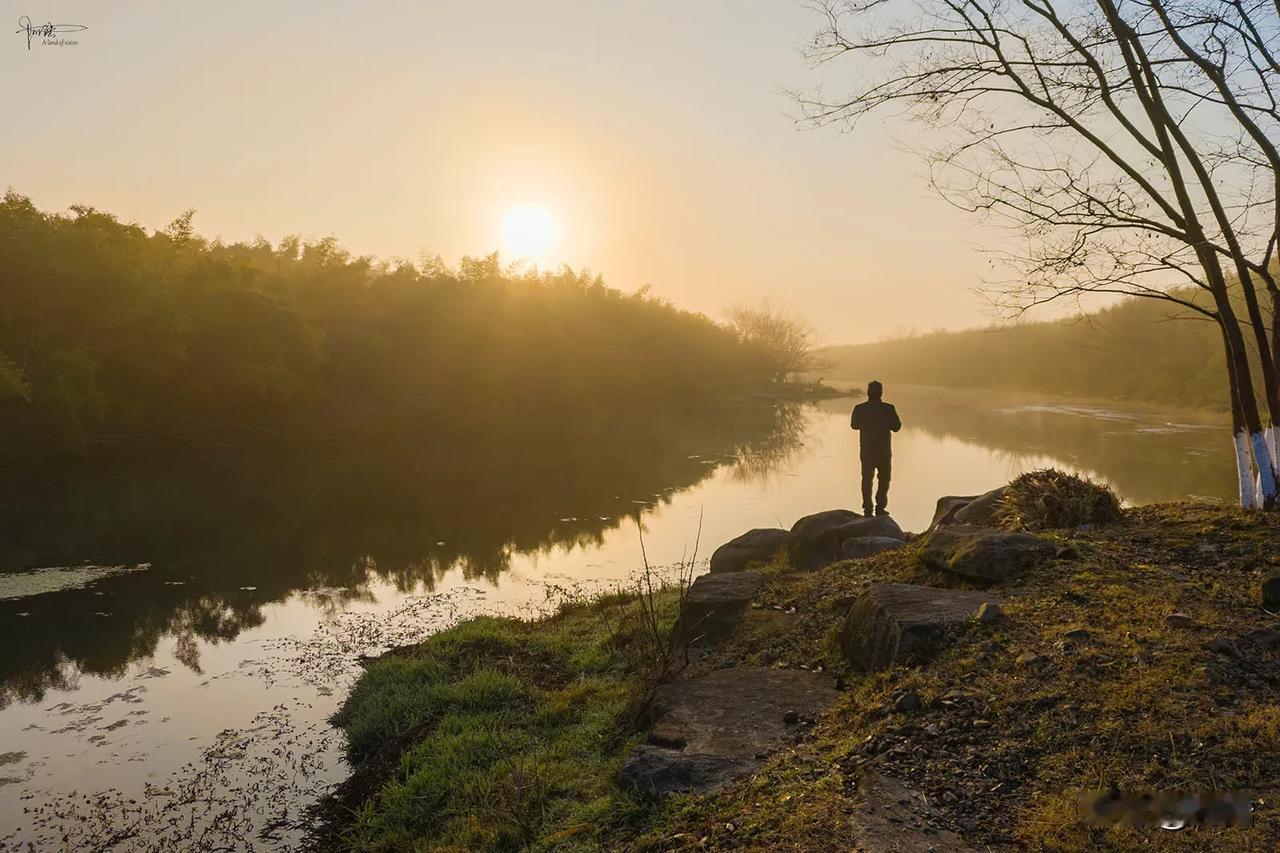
1131, 351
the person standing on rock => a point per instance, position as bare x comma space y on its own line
876, 421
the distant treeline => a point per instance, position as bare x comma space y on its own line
108, 332
1131, 351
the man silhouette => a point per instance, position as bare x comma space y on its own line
875, 421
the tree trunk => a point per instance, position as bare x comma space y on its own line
1264, 492
1273, 434
1264, 439
1239, 435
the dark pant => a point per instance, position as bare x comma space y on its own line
870, 467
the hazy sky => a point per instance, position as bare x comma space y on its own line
656, 133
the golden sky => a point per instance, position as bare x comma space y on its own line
655, 133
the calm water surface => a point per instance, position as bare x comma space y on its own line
182, 704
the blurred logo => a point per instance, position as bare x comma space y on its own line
47, 34
1172, 810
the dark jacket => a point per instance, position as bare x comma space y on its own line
875, 420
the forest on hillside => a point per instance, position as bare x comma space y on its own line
1131, 351
109, 333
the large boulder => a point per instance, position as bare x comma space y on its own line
812, 544
948, 506
714, 604
872, 525
903, 623
755, 546
982, 553
982, 509
854, 549
708, 731
819, 539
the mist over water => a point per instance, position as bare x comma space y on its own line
188, 685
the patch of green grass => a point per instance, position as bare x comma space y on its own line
498, 734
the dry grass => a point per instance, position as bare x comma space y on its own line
1135, 704
1050, 499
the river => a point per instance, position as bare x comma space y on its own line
166, 677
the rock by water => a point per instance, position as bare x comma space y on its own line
946, 509
982, 509
761, 545
812, 544
819, 539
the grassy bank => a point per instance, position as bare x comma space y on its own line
505, 734
496, 734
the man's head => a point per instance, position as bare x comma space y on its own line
874, 390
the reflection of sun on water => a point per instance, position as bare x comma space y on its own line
529, 232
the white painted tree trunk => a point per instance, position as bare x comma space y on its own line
1271, 434
1248, 491
1266, 469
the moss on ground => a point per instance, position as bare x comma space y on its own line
509, 734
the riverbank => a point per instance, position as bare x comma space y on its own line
1132, 654
796, 392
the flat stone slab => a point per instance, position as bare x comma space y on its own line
715, 603
760, 545
708, 731
857, 548
890, 817
904, 623
983, 553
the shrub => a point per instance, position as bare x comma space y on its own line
1049, 498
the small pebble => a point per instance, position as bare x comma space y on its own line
1223, 646
908, 701
989, 612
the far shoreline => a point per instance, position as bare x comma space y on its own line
846, 386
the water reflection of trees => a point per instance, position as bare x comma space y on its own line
757, 461
393, 507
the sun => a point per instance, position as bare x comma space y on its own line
529, 232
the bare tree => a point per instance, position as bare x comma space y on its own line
1132, 145
787, 342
